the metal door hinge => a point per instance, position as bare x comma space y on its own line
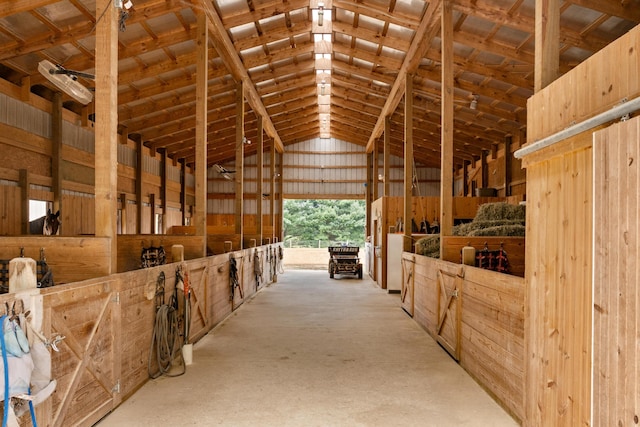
116, 388
116, 298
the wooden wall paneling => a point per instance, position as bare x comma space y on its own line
137, 301
10, 210
492, 333
592, 87
514, 246
616, 299
71, 259
558, 297
490, 336
130, 247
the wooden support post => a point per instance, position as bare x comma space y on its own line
446, 156
484, 168
139, 156
408, 162
56, 154
124, 135
369, 190
507, 166
280, 208
386, 156
123, 213
239, 175
465, 177
24, 199
164, 189
25, 89
106, 127
183, 191
202, 67
260, 189
376, 170
272, 189
152, 204
547, 43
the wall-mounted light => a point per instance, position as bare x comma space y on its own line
246, 141
320, 14
380, 177
474, 102
323, 87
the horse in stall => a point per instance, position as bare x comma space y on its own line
47, 225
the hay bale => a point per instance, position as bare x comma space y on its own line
510, 230
428, 245
500, 211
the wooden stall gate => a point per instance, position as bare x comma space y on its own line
408, 277
449, 303
88, 373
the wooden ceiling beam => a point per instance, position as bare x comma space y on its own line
380, 13
274, 35
221, 41
429, 26
493, 13
263, 10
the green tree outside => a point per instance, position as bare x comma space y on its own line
321, 223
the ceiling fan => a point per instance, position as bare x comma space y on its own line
67, 80
226, 173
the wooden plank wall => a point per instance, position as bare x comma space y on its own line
559, 263
514, 246
616, 299
108, 325
71, 259
491, 327
594, 86
560, 239
130, 248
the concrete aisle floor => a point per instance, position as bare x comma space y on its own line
311, 351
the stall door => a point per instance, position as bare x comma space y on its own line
88, 384
449, 288
408, 279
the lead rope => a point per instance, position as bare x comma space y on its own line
166, 333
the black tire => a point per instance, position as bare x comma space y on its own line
331, 270
359, 272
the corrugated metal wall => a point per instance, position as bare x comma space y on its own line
318, 168
325, 168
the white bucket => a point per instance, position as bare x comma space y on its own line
187, 354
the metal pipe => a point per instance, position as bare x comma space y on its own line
612, 114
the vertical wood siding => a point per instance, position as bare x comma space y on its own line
616, 297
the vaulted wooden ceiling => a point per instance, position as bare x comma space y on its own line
313, 80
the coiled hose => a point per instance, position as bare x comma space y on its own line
166, 340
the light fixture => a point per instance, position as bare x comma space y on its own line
246, 141
323, 86
474, 102
320, 13
66, 81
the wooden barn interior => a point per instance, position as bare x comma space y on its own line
186, 124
